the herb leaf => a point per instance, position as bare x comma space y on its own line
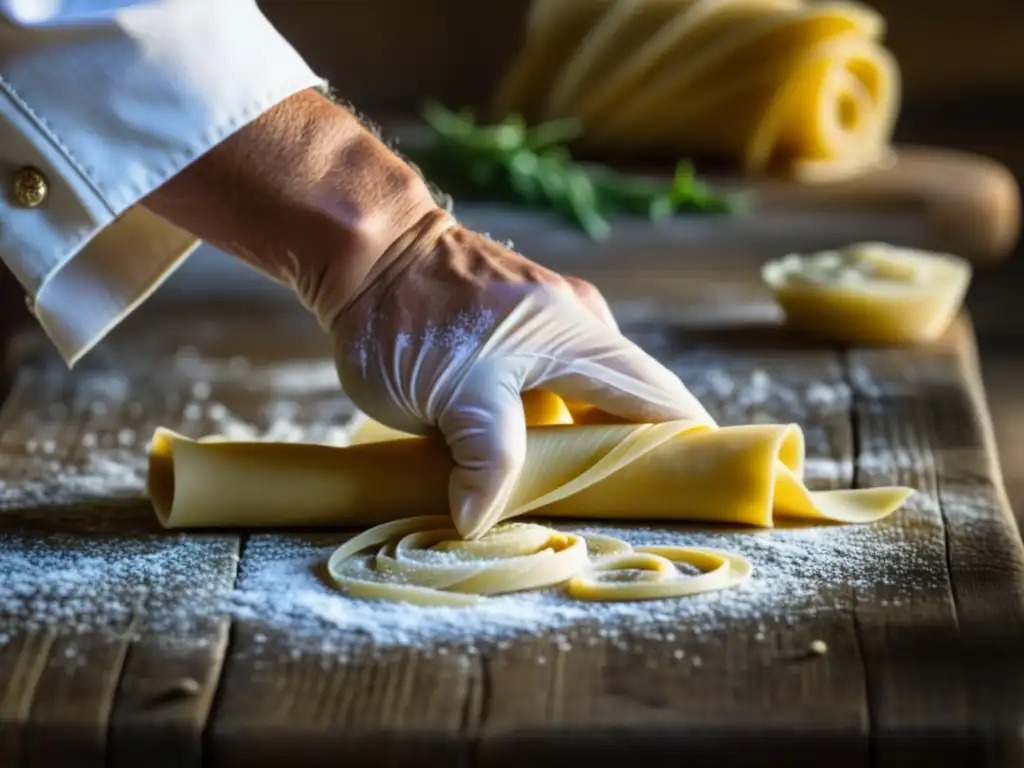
514, 163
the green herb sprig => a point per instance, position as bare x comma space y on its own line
515, 163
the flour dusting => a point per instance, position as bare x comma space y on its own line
459, 337
797, 571
286, 377
80, 549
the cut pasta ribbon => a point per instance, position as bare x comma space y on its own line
423, 561
579, 465
805, 88
659, 578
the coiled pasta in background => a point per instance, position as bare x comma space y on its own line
778, 86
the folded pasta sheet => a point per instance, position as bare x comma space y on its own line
807, 89
746, 475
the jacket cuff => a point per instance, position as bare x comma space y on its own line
104, 114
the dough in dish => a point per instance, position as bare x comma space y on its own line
870, 293
680, 471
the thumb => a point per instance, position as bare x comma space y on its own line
605, 369
485, 428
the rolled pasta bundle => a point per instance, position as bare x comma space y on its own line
577, 466
778, 86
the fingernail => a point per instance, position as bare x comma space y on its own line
469, 519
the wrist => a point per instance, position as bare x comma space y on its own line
369, 202
303, 193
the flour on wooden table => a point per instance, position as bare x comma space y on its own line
82, 580
797, 571
289, 377
77, 581
104, 476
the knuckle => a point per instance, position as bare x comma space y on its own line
507, 459
583, 288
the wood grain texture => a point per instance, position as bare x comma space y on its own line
921, 663
92, 669
711, 695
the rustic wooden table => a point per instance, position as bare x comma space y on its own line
123, 645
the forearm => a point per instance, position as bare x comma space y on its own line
301, 192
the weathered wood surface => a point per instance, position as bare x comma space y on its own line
153, 663
1003, 367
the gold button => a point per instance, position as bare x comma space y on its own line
30, 187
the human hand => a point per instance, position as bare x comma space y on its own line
449, 329
434, 326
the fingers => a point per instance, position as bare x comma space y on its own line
605, 369
485, 428
592, 299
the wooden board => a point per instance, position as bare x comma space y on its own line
912, 202
923, 614
1003, 367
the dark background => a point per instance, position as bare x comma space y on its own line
962, 65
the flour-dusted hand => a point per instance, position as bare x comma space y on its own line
435, 327
449, 329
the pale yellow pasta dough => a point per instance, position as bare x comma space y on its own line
870, 293
787, 85
422, 560
679, 470
580, 464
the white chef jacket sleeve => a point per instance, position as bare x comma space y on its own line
101, 102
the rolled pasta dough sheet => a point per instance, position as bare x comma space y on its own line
679, 471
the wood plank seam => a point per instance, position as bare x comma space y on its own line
475, 709
208, 747
124, 650
870, 694
103, 708
905, 700
944, 511
23, 708
879, 752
